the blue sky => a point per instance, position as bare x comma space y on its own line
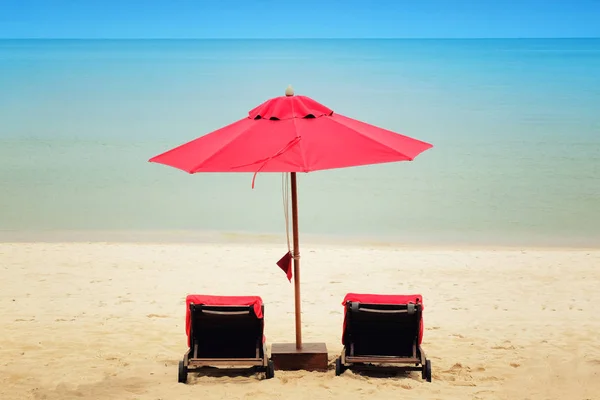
298, 19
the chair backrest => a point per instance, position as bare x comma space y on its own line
382, 329
225, 331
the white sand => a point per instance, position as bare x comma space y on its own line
106, 321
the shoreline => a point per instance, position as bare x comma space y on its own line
197, 237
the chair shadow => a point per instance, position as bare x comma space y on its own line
226, 372
380, 371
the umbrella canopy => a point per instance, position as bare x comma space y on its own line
292, 134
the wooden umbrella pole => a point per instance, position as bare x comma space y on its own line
296, 256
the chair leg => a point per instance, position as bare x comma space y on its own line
265, 357
186, 358
422, 355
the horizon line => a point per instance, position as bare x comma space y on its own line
302, 38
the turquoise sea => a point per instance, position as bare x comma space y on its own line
515, 126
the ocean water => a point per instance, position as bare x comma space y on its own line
515, 126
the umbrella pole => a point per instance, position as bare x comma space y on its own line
296, 255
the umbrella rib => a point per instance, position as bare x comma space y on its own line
301, 148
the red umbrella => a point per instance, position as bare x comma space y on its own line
291, 134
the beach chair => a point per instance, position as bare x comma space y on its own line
383, 329
225, 331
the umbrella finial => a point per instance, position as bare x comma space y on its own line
289, 91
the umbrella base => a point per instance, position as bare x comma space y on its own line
311, 357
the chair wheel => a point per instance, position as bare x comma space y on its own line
426, 372
183, 371
339, 368
270, 371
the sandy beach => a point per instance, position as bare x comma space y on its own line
106, 321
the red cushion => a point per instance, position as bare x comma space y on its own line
384, 299
221, 301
